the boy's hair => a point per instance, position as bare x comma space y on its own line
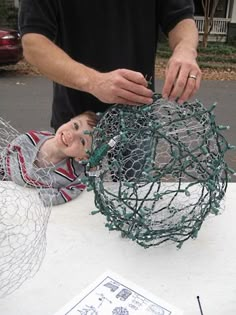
92, 118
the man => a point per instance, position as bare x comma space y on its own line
103, 52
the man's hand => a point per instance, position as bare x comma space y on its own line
183, 75
121, 86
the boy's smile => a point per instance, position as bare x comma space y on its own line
71, 140
64, 140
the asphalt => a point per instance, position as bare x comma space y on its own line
25, 101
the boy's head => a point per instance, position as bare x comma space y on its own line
71, 137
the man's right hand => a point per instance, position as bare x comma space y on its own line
121, 86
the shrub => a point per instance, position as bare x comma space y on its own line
8, 15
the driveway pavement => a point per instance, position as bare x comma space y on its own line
26, 102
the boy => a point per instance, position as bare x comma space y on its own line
50, 161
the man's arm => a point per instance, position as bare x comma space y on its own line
119, 86
183, 40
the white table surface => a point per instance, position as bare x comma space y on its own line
80, 249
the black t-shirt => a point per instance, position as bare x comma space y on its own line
105, 35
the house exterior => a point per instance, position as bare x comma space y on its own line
232, 25
224, 22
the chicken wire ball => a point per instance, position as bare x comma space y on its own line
23, 225
158, 170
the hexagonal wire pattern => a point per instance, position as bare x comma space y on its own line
158, 170
23, 226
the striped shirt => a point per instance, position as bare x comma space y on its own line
57, 183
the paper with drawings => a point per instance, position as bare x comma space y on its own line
113, 295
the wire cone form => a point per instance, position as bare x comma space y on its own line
162, 173
23, 224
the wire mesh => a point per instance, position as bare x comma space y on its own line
158, 170
23, 223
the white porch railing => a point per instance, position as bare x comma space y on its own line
220, 25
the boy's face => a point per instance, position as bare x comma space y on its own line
71, 139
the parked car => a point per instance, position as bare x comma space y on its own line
10, 47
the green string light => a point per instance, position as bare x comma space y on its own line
158, 170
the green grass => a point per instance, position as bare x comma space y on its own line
214, 48
215, 58
215, 55
219, 66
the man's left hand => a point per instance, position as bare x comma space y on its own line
182, 76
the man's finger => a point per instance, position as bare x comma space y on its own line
171, 75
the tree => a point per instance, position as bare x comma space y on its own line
209, 8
